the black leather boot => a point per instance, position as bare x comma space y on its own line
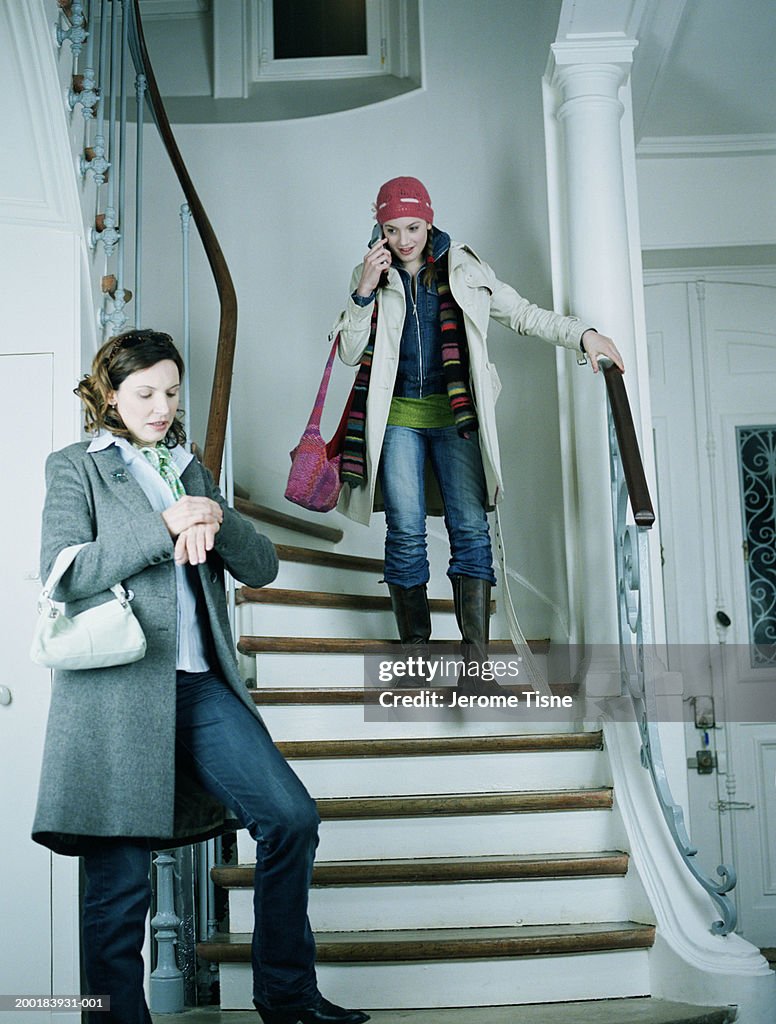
323, 1012
414, 623
471, 598
413, 620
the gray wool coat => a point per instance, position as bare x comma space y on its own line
109, 758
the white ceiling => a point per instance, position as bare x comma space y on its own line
706, 67
702, 67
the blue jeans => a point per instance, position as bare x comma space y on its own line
228, 751
457, 465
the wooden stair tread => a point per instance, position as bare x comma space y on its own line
286, 520
430, 870
453, 804
452, 943
329, 559
326, 599
343, 695
359, 645
307, 695
422, 745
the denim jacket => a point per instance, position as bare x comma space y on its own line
420, 372
482, 297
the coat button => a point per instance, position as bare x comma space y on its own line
214, 577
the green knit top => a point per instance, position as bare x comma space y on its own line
432, 411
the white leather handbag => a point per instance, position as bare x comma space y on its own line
108, 634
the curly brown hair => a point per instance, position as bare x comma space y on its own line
119, 357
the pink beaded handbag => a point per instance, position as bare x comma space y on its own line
314, 481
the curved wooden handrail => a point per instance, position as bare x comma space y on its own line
632, 466
227, 327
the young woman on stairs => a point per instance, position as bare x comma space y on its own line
153, 754
416, 322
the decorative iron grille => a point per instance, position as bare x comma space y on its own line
757, 466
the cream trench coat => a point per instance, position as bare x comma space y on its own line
480, 295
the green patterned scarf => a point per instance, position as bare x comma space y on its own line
162, 461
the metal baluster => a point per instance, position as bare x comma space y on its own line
215, 855
76, 34
108, 233
98, 163
86, 91
229, 495
140, 91
166, 988
185, 215
117, 318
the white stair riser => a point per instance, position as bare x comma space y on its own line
313, 670
332, 721
453, 773
304, 576
454, 905
617, 974
307, 576
283, 620
317, 670
461, 835
298, 620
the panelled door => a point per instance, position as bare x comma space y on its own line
713, 368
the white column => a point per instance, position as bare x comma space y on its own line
593, 276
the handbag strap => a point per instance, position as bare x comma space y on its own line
315, 415
334, 447
62, 563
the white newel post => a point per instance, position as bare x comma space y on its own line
595, 255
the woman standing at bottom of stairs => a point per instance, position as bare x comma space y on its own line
416, 321
151, 754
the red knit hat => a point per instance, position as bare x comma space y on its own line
403, 197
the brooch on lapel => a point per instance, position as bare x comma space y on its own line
119, 474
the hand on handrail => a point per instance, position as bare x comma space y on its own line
598, 345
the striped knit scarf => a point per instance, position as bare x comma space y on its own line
455, 364
455, 356
353, 462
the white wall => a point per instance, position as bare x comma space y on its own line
291, 203
689, 202
41, 262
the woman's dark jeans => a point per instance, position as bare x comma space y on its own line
232, 756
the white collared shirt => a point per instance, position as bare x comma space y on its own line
191, 642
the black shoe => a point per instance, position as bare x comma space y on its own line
323, 1012
473, 686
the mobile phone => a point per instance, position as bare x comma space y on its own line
377, 234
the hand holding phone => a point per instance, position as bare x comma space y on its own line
376, 262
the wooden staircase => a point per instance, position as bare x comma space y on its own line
462, 862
